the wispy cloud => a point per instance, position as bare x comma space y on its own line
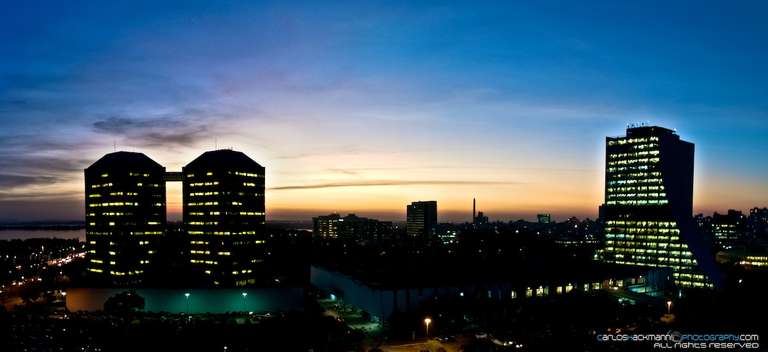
37, 165
344, 171
357, 170
169, 130
378, 183
11, 181
122, 125
29, 160
10, 197
346, 149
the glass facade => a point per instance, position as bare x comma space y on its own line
648, 204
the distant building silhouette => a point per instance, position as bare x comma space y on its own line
224, 216
421, 219
351, 227
757, 226
728, 229
481, 219
125, 216
703, 223
544, 218
647, 214
478, 218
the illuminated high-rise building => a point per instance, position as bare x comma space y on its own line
647, 214
421, 219
125, 216
728, 229
223, 193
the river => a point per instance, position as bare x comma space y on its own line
13, 234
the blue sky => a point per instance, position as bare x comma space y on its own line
389, 101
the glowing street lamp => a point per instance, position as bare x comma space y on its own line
427, 321
669, 307
64, 293
245, 294
186, 297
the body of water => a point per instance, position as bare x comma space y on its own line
14, 234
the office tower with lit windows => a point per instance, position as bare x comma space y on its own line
728, 229
647, 214
125, 216
327, 226
351, 227
223, 196
421, 219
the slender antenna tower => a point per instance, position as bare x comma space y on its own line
474, 209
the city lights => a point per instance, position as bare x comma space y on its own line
383, 176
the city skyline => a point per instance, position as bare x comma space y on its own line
368, 109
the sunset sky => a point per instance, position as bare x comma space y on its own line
364, 108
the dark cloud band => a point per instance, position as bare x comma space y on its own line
379, 183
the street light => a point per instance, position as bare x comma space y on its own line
186, 297
669, 307
64, 293
427, 321
245, 294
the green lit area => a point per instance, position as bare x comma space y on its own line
194, 301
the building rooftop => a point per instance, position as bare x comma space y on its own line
123, 159
638, 131
223, 157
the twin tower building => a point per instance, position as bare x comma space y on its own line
223, 217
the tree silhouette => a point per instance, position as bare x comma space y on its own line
124, 302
